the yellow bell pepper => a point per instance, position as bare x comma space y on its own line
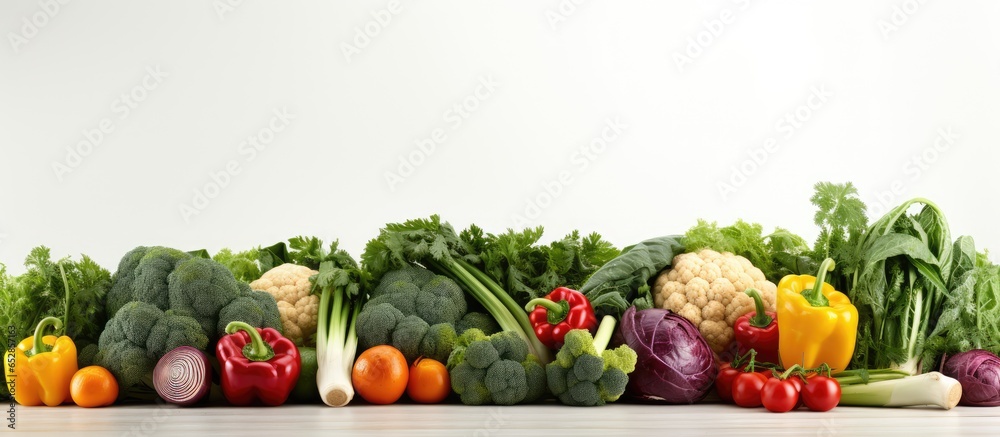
816, 324
43, 367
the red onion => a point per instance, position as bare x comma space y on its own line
182, 376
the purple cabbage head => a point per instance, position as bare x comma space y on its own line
979, 373
675, 364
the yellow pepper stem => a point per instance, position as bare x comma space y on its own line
815, 296
39, 345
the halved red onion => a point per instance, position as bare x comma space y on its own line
183, 376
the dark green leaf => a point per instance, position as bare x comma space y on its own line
624, 275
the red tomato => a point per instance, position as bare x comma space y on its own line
821, 393
746, 389
429, 382
797, 382
779, 395
724, 382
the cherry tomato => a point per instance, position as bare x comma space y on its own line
779, 395
429, 382
724, 382
821, 393
797, 382
746, 389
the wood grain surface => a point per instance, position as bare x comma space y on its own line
492, 421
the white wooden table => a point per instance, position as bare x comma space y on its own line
492, 421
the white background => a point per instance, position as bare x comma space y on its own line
895, 74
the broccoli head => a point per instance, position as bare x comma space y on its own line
419, 313
192, 286
135, 339
158, 295
584, 373
495, 369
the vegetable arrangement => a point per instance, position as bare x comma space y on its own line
431, 315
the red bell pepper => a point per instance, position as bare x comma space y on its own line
257, 365
561, 311
758, 330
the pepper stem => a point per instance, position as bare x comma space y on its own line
603, 335
556, 311
39, 346
257, 349
815, 296
760, 319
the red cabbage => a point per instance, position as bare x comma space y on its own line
979, 373
675, 365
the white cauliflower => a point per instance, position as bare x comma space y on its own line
299, 308
707, 288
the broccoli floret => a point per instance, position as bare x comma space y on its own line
439, 341
495, 369
534, 374
468, 383
510, 346
417, 312
376, 323
136, 337
409, 334
440, 301
612, 384
584, 373
255, 308
481, 354
481, 321
142, 276
506, 382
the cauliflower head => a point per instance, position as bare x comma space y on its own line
298, 306
707, 288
